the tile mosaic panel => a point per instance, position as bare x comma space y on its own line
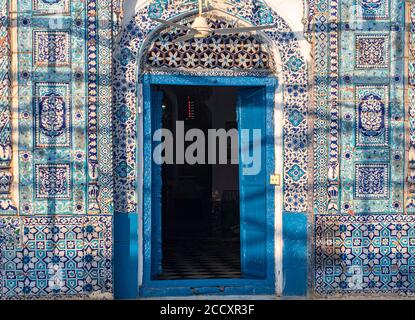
364, 254
367, 249
236, 52
56, 257
105, 126
51, 6
51, 48
372, 51
373, 9
70, 255
9, 236
410, 204
371, 181
411, 73
52, 115
6, 176
92, 156
52, 106
372, 110
372, 116
53, 181
323, 27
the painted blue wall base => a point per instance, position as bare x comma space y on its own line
125, 256
206, 291
126, 262
294, 254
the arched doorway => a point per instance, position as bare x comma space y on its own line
192, 210
134, 193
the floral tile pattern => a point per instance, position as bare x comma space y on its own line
372, 51
52, 115
410, 205
51, 6
326, 90
372, 114
53, 181
373, 9
51, 48
7, 206
371, 181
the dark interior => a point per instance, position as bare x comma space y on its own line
200, 203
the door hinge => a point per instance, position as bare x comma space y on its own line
275, 180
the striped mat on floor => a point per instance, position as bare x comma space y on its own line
201, 259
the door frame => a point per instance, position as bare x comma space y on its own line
151, 287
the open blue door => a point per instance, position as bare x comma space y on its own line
252, 180
157, 183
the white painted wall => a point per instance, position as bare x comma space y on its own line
290, 10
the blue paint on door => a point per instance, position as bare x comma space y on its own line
252, 180
156, 190
256, 264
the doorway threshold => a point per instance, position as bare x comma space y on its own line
216, 297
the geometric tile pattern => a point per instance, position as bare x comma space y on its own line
127, 64
364, 254
9, 236
108, 11
51, 48
235, 52
56, 256
194, 260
